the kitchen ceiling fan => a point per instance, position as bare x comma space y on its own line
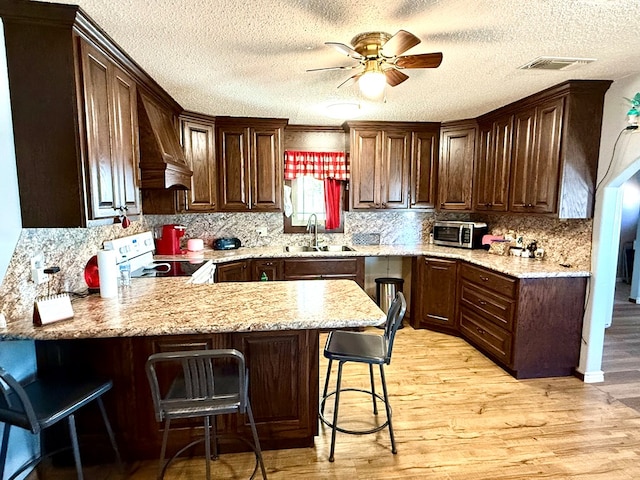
379, 54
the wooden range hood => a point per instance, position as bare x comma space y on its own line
162, 161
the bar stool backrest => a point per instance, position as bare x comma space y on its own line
211, 381
15, 406
394, 319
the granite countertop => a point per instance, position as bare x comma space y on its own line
509, 265
171, 306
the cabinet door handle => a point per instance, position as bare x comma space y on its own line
484, 279
384, 205
482, 302
480, 331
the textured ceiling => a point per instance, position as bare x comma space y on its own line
248, 58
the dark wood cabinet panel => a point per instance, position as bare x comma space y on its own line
267, 166
537, 158
424, 156
250, 164
493, 166
434, 290
366, 162
284, 401
395, 174
272, 268
198, 141
233, 272
233, 186
457, 157
97, 92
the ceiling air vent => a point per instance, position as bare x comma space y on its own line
556, 63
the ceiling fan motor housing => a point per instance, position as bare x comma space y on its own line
369, 44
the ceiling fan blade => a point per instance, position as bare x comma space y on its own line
423, 60
399, 43
349, 67
345, 49
395, 77
351, 80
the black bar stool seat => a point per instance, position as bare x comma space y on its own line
40, 403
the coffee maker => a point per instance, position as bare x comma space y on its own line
169, 242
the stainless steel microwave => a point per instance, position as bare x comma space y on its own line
459, 234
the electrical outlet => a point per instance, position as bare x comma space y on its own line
37, 269
262, 231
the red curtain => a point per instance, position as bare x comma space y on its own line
332, 193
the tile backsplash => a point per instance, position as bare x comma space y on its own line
70, 248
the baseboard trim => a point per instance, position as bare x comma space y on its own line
591, 377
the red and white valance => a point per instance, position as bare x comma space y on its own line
320, 165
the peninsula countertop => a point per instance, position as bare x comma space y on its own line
171, 306
515, 266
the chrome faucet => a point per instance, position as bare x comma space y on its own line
315, 229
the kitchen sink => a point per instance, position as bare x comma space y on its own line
323, 248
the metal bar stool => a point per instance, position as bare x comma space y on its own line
208, 383
343, 347
41, 403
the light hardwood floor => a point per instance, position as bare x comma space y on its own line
458, 416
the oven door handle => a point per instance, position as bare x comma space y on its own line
460, 236
159, 267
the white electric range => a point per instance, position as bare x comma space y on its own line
138, 251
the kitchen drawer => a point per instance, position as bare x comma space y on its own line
493, 307
486, 335
491, 280
324, 267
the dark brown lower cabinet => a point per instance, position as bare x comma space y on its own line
434, 288
530, 326
283, 383
233, 272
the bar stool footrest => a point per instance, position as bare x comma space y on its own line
344, 430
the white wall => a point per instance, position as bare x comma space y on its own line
16, 357
11, 223
615, 167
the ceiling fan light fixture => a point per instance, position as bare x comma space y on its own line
372, 81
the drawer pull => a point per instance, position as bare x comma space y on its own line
484, 279
480, 331
482, 302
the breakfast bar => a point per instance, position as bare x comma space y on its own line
275, 324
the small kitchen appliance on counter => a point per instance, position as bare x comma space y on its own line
138, 251
459, 234
229, 243
169, 242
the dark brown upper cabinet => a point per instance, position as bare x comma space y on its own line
198, 140
250, 163
493, 164
457, 157
75, 117
392, 165
112, 135
552, 148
